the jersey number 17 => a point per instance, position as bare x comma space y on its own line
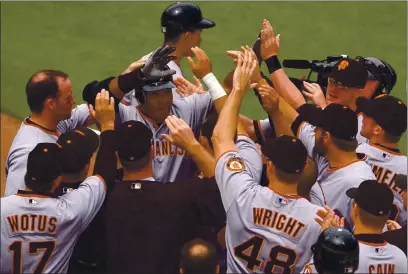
16, 248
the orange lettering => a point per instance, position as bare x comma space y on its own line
281, 221
13, 222
257, 214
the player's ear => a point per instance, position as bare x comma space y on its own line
50, 103
378, 130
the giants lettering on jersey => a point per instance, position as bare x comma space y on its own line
386, 176
32, 223
381, 269
165, 148
277, 221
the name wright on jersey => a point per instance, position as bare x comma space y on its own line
278, 221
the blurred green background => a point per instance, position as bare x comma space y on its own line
94, 40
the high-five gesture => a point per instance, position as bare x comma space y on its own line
256, 77
269, 42
104, 111
153, 68
269, 98
244, 72
203, 65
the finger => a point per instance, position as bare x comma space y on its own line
165, 73
240, 60
342, 222
170, 58
180, 92
328, 208
232, 53
170, 125
92, 111
197, 82
167, 50
168, 138
278, 39
191, 62
112, 102
319, 221
307, 94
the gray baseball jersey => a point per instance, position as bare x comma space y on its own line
38, 233
381, 258
130, 99
386, 164
266, 231
335, 181
27, 137
309, 268
170, 162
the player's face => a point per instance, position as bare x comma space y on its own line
158, 104
193, 39
370, 88
65, 100
320, 146
369, 127
340, 95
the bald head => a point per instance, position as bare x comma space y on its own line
198, 257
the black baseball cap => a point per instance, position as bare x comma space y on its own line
77, 149
134, 140
287, 153
340, 121
373, 197
401, 181
349, 73
387, 111
43, 163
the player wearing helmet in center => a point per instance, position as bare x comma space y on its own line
336, 251
181, 24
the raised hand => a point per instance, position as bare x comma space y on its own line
134, 66
256, 77
269, 98
327, 218
186, 88
153, 68
269, 42
104, 111
244, 72
314, 92
203, 65
181, 134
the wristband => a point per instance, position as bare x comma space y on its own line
273, 64
129, 81
214, 87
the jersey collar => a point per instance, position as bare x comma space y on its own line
38, 194
370, 238
396, 150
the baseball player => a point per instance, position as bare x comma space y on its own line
39, 229
397, 235
336, 251
268, 228
181, 24
346, 81
384, 123
330, 138
159, 217
170, 162
50, 98
371, 207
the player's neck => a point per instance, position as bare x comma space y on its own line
281, 187
379, 140
338, 158
178, 52
146, 172
45, 120
360, 228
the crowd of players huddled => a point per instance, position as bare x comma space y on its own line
184, 183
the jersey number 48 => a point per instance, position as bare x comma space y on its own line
16, 248
281, 259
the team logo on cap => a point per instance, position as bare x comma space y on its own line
235, 164
343, 65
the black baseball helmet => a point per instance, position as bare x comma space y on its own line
381, 71
182, 17
336, 251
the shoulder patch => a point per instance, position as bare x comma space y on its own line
235, 164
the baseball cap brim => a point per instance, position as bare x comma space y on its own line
166, 85
352, 193
204, 24
365, 106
